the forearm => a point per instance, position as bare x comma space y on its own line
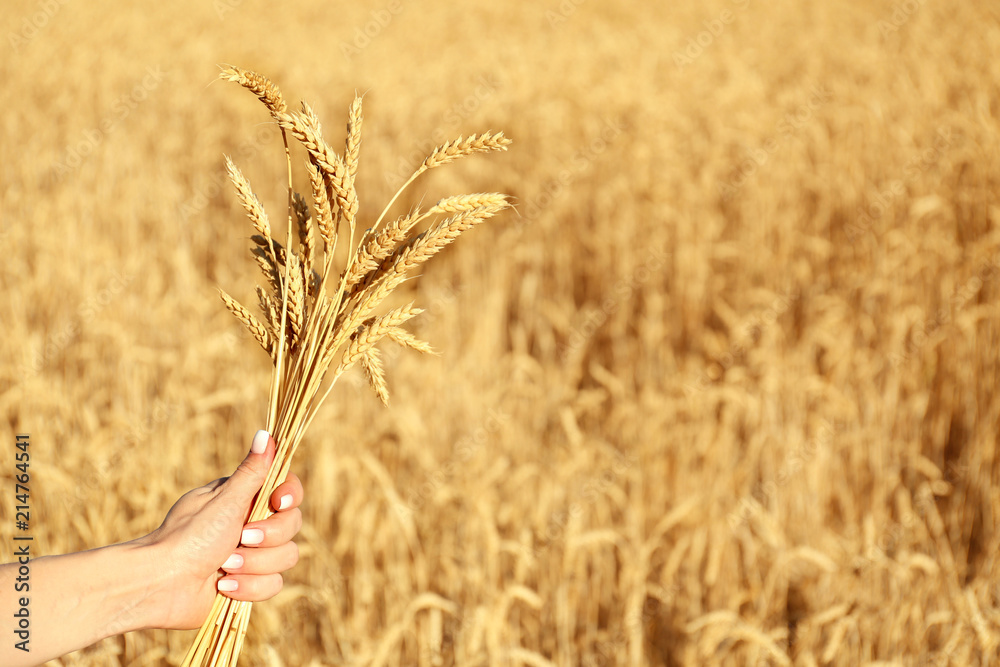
76, 600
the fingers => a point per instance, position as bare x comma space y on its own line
251, 587
278, 529
288, 495
253, 569
243, 484
263, 561
255, 574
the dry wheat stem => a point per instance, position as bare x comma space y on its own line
314, 358
279, 362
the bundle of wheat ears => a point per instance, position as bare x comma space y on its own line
315, 318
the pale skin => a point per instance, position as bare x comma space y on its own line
167, 579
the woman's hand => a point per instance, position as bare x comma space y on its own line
204, 547
167, 579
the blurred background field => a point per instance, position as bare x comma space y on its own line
721, 391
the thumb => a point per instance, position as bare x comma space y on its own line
244, 484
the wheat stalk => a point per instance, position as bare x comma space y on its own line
306, 327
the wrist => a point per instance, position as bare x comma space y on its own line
140, 585
81, 598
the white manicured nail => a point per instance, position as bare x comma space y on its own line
252, 536
234, 561
260, 442
228, 585
286, 502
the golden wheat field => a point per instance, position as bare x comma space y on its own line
721, 389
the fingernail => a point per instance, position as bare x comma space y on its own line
233, 562
260, 442
286, 502
228, 585
252, 536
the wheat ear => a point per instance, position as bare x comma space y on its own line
259, 85
252, 205
256, 329
372, 365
